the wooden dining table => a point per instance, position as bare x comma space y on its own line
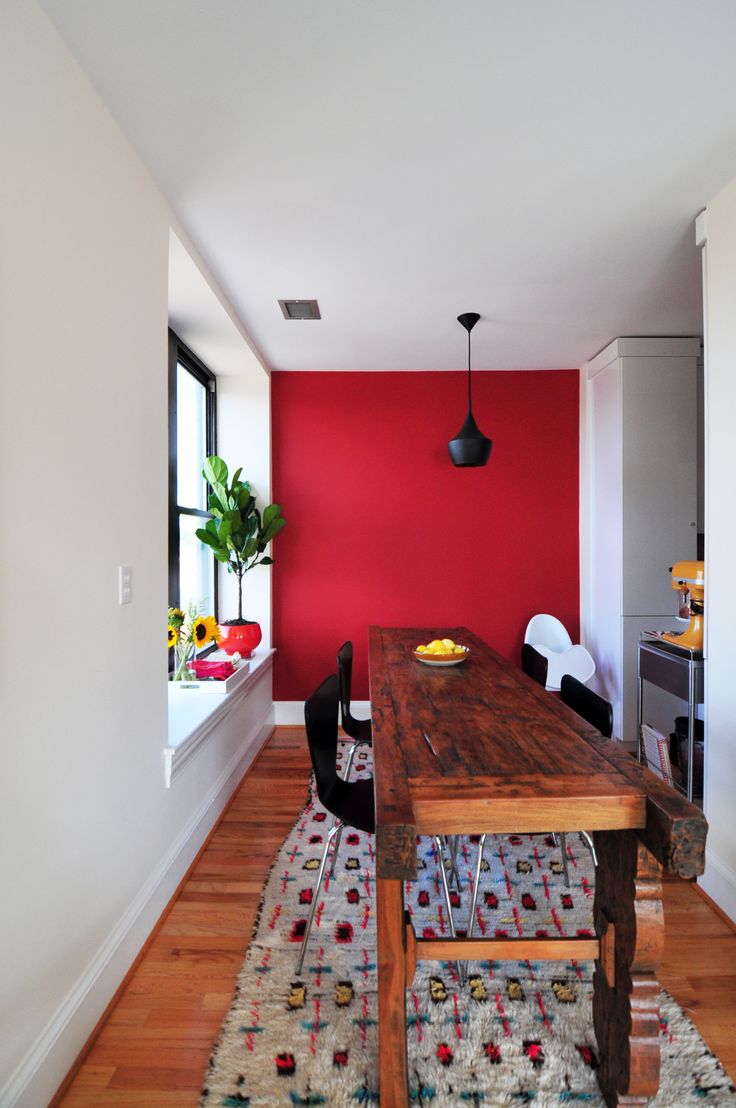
479, 747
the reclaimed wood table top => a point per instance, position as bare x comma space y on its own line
505, 756
479, 747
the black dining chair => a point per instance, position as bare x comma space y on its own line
534, 664
594, 708
359, 730
597, 711
350, 802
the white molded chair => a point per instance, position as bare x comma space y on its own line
544, 630
550, 637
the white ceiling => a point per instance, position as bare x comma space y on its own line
538, 161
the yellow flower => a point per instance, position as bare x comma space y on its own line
205, 630
173, 636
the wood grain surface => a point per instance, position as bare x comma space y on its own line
513, 746
479, 747
392, 972
628, 893
500, 758
675, 830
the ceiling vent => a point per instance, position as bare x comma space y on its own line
300, 309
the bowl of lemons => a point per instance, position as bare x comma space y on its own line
441, 652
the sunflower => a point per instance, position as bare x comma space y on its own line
176, 617
205, 630
173, 636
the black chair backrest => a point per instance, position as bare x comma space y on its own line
588, 704
534, 664
345, 672
350, 801
320, 717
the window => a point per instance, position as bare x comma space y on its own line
192, 436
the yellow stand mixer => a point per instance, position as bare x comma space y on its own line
688, 579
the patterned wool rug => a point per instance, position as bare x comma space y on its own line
517, 1032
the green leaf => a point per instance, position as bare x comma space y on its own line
237, 530
214, 471
273, 529
221, 493
207, 538
238, 534
270, 513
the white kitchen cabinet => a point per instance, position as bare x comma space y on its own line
640, 508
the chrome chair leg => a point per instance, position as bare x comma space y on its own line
346, 777
563, 848
588, 840
349, 763
351, 755
454, 843
446, 891
474, 902
476, 886
337, 826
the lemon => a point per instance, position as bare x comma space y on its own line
459, 650
448, 645
421, 650
436, 647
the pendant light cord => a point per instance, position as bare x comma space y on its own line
470, 402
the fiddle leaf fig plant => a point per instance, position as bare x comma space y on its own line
238, 533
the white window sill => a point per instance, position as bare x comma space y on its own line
196, 713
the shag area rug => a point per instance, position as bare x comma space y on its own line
515, 1033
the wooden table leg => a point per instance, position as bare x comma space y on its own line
628, 893
392, 1057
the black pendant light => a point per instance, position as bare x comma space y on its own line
470, 447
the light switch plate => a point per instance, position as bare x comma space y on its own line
125, 585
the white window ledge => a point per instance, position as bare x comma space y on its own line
196, 712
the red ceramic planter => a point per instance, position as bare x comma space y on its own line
240, 637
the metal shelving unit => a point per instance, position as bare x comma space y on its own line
678, 671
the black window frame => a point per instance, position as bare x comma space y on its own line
180, 354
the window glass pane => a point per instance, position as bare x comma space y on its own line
196, 567
191, 439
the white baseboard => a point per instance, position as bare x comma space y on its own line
719, 882
44, 1067
290, 713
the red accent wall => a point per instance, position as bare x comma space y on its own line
382, 528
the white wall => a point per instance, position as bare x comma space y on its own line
92, 844
604, 466
206, 322
244, 433
720, 545
638, 456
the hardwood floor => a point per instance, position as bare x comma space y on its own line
154, 1045
699, 968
